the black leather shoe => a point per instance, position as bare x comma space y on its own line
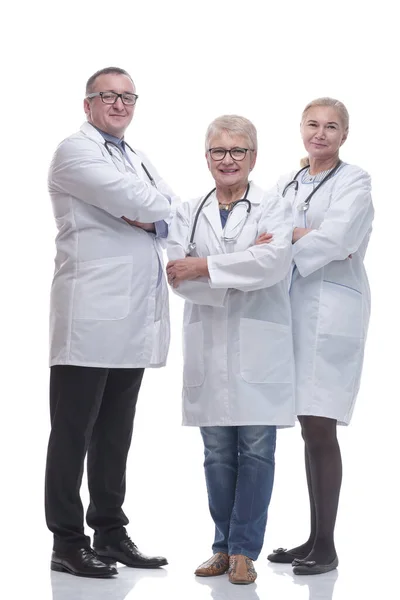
83, 562
127, 553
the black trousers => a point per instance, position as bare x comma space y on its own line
92, 412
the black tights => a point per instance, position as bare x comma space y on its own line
324, 477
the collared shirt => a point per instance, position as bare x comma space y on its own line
224, 214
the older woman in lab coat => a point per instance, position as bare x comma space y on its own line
330, 299
238, 357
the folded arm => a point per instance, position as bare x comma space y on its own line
346, 223
195, 287
80, 170
262, 265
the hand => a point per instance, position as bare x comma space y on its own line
145, 226
298, 233
185, 269
264, 238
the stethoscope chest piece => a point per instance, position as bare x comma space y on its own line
303, 207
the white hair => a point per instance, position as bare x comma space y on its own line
233, 124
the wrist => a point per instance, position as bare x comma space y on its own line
203, 268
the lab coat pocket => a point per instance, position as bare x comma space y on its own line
266, 354
340, 343
341, 310
193, 355
338, 362
103, 289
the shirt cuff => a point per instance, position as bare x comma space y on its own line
161, 229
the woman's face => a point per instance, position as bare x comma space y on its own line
229, 172
323, 132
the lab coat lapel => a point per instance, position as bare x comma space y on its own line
91, 132
136, 163
121, 163
255, 194
211, 213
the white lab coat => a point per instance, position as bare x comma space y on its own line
237, 340
330, 295
107, 308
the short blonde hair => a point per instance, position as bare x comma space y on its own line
326, 101
233, 124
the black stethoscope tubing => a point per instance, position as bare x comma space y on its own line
244, 199
295, 182
145, 169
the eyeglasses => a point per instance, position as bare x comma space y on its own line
111, 97
236, 154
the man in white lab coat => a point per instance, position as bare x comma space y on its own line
109, 321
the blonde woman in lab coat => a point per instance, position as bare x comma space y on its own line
238, 357
330, 299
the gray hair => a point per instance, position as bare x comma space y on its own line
326, 101
107, 71
233, 124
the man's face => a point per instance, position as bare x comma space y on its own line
110, 118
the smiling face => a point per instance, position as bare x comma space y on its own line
323, 132
110, 118
229, 172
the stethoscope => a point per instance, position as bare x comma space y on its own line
192, 244
107, 145
304, 206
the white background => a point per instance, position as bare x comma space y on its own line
192, 62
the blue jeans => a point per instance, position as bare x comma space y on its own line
239, 467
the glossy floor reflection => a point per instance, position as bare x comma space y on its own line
166, 503
67, 587
276, 583
320, 587
176, 581
126, 585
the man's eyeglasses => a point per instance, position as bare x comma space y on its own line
111, 97
236, 154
